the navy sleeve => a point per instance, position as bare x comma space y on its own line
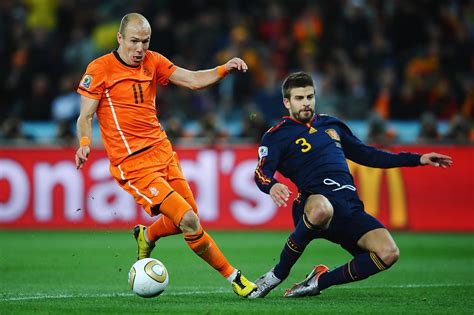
268, 158
355, 150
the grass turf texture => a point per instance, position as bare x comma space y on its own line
85, 272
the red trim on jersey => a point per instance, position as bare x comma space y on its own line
260, 175
308, 124
272, 129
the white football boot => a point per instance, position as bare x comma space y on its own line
309, 286
265, 284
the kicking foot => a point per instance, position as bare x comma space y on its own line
143, 247
242, 287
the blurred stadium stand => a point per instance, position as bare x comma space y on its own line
398, 71
44, 132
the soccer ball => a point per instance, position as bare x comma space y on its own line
148, 277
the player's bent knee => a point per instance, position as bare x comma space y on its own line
390, 255
189, 223
319, 210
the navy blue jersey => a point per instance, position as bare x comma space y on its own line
313, 155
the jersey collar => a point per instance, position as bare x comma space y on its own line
308, 124
116, 54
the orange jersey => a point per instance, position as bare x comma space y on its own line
126, 94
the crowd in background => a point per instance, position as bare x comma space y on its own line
373, 60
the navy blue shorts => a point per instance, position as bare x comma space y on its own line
349, 222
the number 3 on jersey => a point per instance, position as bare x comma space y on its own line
305, 146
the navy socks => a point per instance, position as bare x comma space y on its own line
294, 247
360, 267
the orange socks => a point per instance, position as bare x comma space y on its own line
201, 243
205, 247
161, 227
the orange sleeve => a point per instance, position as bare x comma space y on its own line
93, 81
164, 68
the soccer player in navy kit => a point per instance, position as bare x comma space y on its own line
311, 151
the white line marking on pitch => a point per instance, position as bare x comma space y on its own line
198, 292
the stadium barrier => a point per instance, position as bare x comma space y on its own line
41, 188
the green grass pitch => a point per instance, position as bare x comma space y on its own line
85, 272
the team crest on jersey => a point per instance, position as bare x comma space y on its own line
262, 152
147, 72
86, 81
333, 134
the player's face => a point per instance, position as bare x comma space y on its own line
301, 103
134, 43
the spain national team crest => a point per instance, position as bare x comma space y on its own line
86, 81
333, 134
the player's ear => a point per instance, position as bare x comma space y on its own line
286, 102
119, 38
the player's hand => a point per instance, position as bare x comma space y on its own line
436, 159
81, 156
236, 64
280, 194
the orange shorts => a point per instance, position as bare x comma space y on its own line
154, 178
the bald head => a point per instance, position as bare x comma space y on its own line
134, 20
134, 38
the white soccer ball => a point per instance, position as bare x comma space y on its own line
148, 277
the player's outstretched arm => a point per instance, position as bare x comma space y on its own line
436, 159
196, 80
84, 129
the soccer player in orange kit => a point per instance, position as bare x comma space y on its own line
120, 87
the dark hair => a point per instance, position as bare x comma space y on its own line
296, 80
